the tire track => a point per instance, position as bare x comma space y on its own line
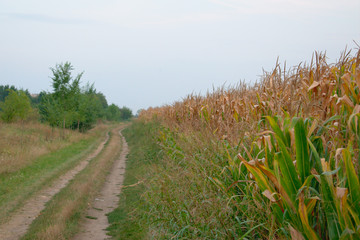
20, 221
105, 202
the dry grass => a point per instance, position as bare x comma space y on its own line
22, 143
52, 232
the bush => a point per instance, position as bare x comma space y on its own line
17, 106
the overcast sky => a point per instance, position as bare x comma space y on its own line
143, 53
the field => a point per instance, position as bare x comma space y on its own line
275, 160
279, 159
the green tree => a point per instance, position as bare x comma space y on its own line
126, 113
103, 102
73, 107
50, 110
66, 92
113, 113
16, 106
90, 108
4, 91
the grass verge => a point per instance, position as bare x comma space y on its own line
60, 219
23, 143
126, 221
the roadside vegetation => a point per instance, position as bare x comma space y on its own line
125, 221
276, 160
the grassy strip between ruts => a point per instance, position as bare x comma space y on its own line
126, 222
18, 186
60, 219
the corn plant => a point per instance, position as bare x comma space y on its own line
300, 168
306, 193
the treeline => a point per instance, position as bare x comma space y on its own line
69, 105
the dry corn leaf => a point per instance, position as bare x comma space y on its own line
265, 132
346, 100
338, 153
341, 192
312, 128
267, 140
313, 85
295, 234
356, 109
357, 78
325, 165
305, 84
346, 77
269, 195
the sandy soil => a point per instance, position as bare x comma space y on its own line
19, 222
94, 228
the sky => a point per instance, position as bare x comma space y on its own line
142, 53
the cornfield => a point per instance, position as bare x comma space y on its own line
296, 134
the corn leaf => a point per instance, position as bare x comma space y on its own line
291, 181
317, 159
309, 232
276, 129
261, 180
352, 180
302, 151
310, 206
270, 174
328, 200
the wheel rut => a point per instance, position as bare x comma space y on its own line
94, 226
20, 221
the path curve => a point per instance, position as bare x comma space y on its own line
106, 201
20, 221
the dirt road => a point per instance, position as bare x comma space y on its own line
19, 222
93, 227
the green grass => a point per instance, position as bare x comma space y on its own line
127, 221
18, 186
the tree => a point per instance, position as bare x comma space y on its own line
66, 92
4, 91
126, 113
102, 99
113, 113
90, 107
16, 106
73, 107
63, 83
49, 109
